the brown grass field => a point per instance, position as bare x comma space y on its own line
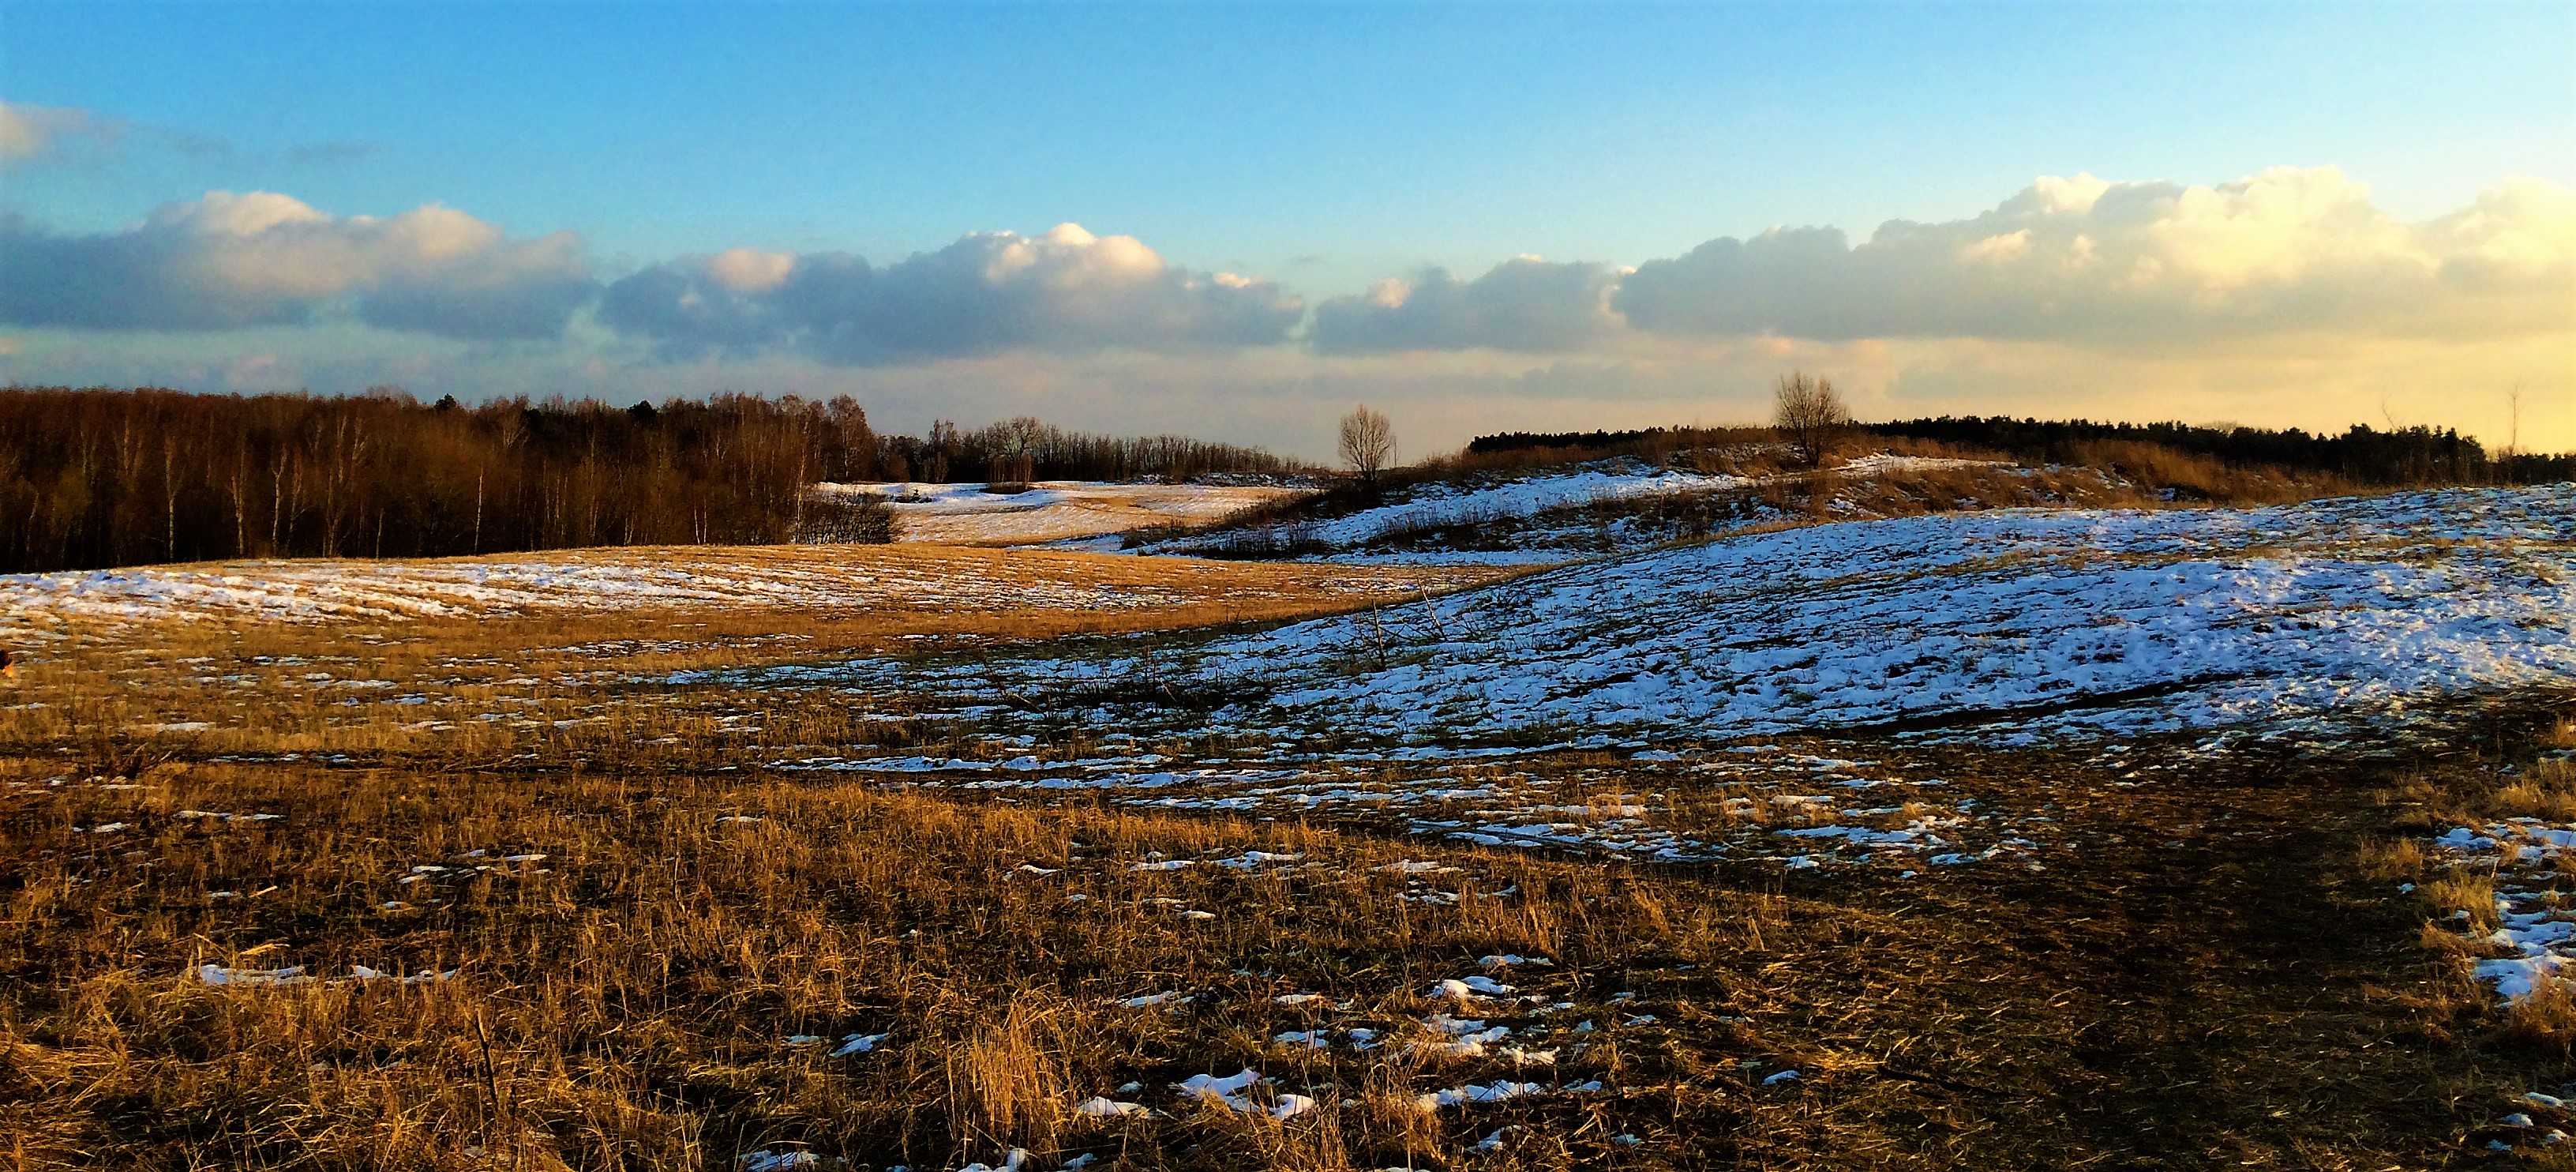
2212, 967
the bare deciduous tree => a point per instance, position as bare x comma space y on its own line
1368, 443
1015, 455
1810, 414
2513, 409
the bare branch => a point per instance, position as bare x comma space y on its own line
1810, 414
1368, 443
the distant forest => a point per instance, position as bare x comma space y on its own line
2409, 457
100, 477
1023, 449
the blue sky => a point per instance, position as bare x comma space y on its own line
1318, 148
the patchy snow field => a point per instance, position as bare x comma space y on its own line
1446, 505
1055, 510
2534, 929
2040, 623
1748, 802
629, 579
2009, 628
1531, 518
1442, 505
2514, 911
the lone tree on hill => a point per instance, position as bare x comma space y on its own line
1810, 414
1368, 443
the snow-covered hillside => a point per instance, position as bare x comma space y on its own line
1531, 516
1446, 504
1527, 516
2107, 621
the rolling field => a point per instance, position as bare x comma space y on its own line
2020, 839
1056, 510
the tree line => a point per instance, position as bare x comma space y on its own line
1016, 451
99, 477
2414, 456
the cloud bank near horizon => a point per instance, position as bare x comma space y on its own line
1524, 304
2285, 291
230, 261
2081, 260
2290, 250
1065, 289
2078, 260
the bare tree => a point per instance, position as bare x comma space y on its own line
1368, 443
2513, 407
1810, 414
1015, 455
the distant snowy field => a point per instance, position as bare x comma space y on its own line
2041, 622
625, 579
1054, 510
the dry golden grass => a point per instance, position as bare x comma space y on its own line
618, 996
2547, 790
2392, 859
627, 1000
245, 675
2201, 478
858, 593
2250, 991
2547, 1017
2464, 891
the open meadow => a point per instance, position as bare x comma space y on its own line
1202, 586
2023, 838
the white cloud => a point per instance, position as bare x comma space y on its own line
1064, 290
744, 270
2289, 250
2079, 260
229, 260
27, 131
1521, 304
2283, 299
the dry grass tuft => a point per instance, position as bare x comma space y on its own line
2545, 1017
2463, 891
2547, 790
2391, 858
1006, 1078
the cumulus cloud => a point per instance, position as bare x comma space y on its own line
29, 131
231, 260
1523, 304
2282, 299
2081, 259
1065, 290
